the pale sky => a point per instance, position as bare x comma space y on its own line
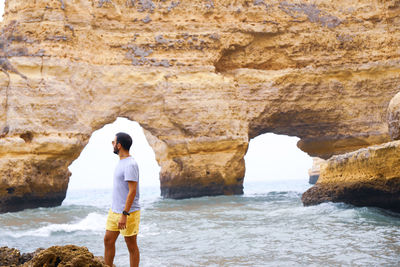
276, 157
269, 157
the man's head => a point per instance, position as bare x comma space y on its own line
122, 141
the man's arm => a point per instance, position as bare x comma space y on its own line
131, 195
128, 203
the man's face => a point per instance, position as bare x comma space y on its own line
115, 145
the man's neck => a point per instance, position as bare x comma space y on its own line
123, 155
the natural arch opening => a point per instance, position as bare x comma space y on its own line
95, 165
271, 157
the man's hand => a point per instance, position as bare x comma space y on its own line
122, 222
128, 203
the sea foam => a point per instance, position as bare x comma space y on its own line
92, 223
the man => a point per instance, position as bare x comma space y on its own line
123, 217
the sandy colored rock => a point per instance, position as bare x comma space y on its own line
68, 255
314, 171
9, 256
13, 257
366, 177
394, 117
201, 77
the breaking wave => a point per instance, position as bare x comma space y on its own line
92, 223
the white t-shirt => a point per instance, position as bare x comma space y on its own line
126, 170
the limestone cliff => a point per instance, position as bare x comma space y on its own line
365, 177
201, 77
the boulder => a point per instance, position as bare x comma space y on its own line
365, 177
68, 255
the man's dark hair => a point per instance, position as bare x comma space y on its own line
125, 140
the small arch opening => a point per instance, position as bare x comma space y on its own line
273, 158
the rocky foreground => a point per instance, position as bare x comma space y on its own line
69, 255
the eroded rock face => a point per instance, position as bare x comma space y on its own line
394, 117
366, 177
42, 181
201, 77
314, 172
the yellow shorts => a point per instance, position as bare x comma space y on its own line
132, 223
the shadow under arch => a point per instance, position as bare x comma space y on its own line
95, 165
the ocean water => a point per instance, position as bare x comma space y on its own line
267, 226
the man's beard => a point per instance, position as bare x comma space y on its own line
116, 150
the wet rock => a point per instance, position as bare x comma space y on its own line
376, 193
9, 256
69, 255
13, 257
366, 177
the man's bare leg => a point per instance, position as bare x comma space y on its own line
134, 255
109, 246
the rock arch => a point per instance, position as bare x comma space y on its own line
95, 164
200, 78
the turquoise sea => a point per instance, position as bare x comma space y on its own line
267, 226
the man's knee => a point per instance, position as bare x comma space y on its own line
131, 243
109, 239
